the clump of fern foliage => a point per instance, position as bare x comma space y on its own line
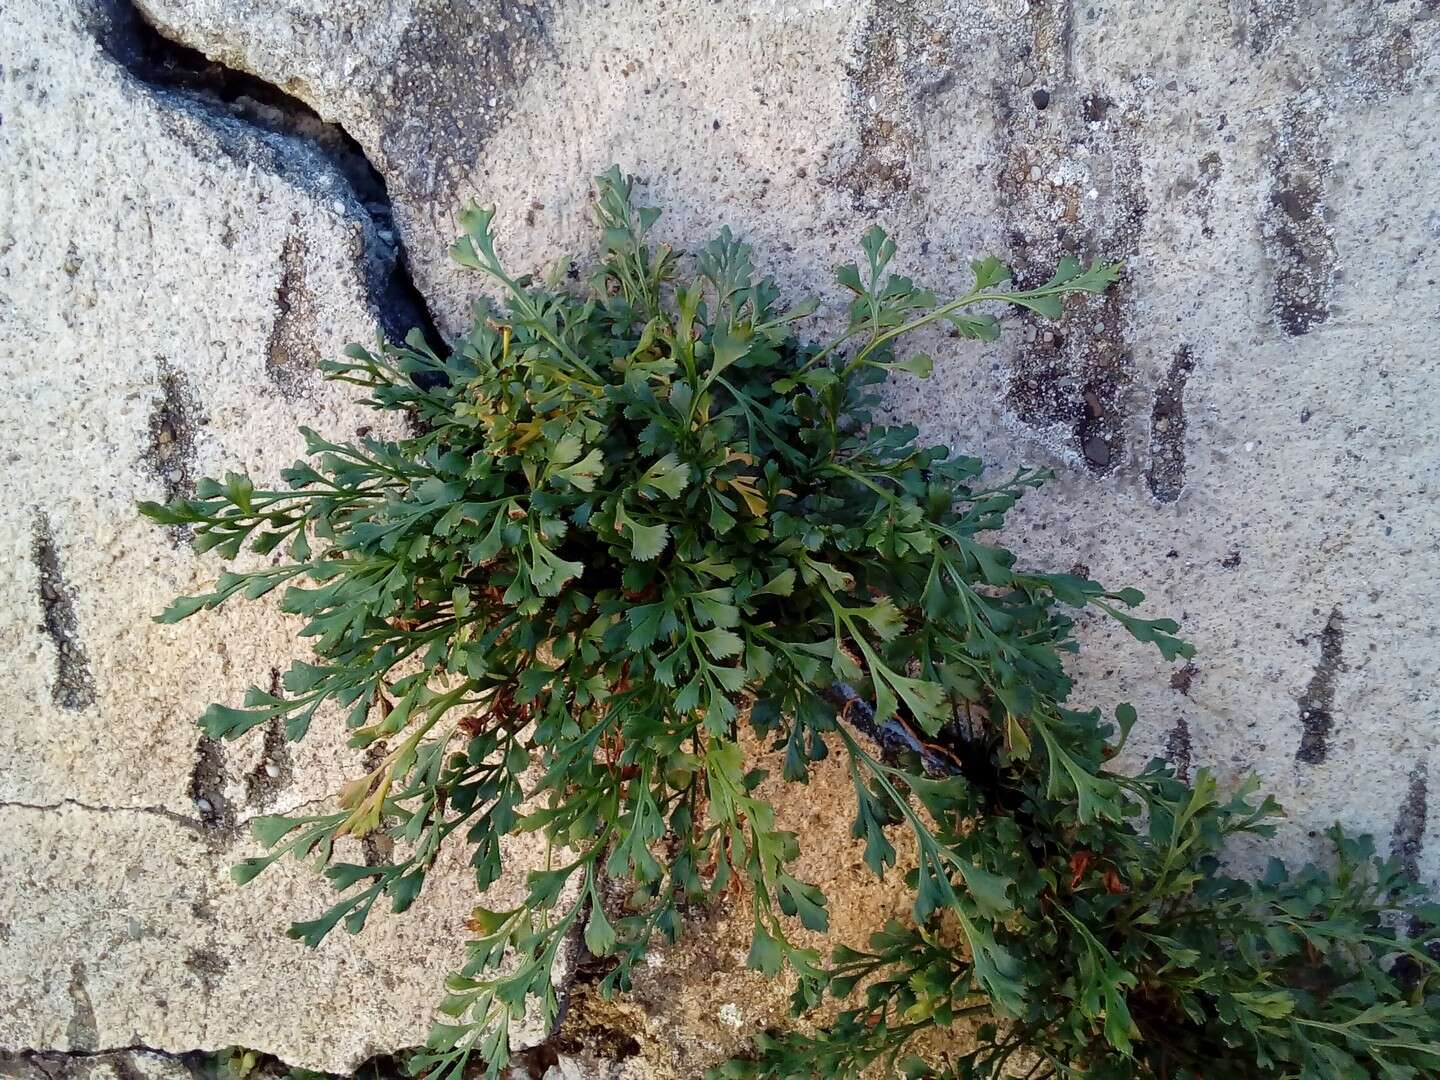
637, 514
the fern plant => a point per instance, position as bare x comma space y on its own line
636, 515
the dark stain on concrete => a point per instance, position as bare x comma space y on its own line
464, 68
377, 849
291, 358
169, 453
74, 686
1166, 475
1094, 107
1381, 55
275, 770
883, 90
1210, 171
1199, 190
208, 966
1071, 379
1407, 840
1179, 747
591, 1032
207, 785
1318, 702
1265, 23
1299, 243
1179, 750
83, 1031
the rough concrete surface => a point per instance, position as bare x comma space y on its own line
114, 1065
1246, 428
144, 236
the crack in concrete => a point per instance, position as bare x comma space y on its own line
227, 100
195, 823
28, 1053
158, 811
200, 1062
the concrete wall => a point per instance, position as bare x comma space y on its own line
1246, 428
